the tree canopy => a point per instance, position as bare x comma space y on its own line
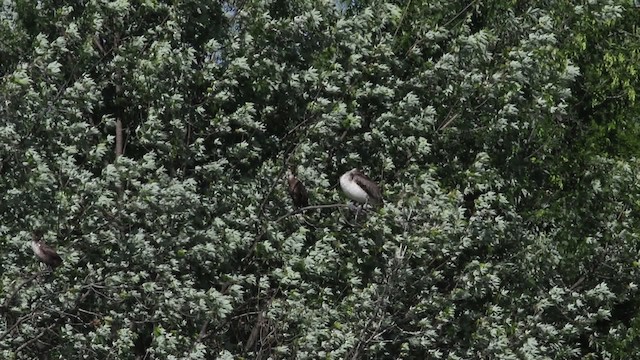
149, 142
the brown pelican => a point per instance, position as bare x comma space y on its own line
360, 188
44, 252
297, 191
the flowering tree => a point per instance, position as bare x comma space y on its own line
150, 142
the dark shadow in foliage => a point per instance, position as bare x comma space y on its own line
144, 339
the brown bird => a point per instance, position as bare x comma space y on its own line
44, 252
360, 188
297, 191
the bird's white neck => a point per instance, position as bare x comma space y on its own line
35, 245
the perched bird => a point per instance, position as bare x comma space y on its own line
44, 252
297, 191
360, 188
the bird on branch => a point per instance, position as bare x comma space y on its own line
297, 191
44, 252
358, 187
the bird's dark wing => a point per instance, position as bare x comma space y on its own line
369, 186
298, 193
51, 257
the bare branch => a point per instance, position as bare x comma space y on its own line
119, 144
312, 207
9, 299
27, 343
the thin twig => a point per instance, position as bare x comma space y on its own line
203, 330
444, 126
402, 18
458, 14
254, 332
312, 207
9, 299
415, 43
382, 304
297, 211
16, 324
35, 338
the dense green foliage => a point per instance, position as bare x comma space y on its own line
504, 135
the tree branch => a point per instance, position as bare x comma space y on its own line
119, 145
9, 298
28, 342
312, 207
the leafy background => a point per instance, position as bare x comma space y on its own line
150, 140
